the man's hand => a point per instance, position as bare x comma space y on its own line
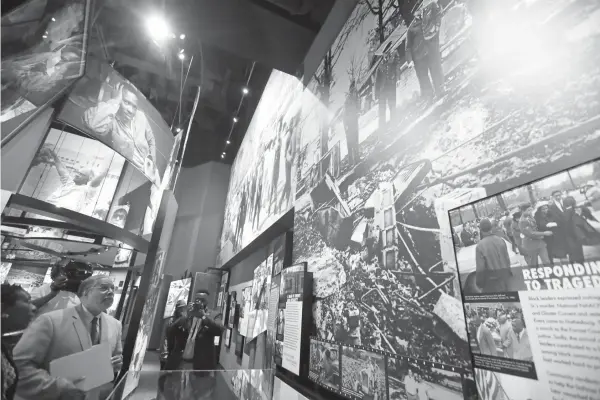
70, 390
119, 90
58, 284
117, 363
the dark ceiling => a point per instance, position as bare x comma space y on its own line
232, 42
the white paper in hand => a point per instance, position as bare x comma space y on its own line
92, 364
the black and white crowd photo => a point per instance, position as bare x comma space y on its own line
363, 374
553, 221
324, 364
499, 330
411, 379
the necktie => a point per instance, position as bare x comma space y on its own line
95, 332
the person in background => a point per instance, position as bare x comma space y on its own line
534, 246
516, 231
202, 332
556, 214
579, 232
174, 341
59, 294
520, 346
545, 223
492, 262
423, 49
50, 337
17, 312
487, 346
505, 335
410, 385
507, 224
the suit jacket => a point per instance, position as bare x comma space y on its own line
51, 336
487, 346
521, 348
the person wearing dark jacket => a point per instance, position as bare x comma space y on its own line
534, 246
579, 231
423, 49
17, 312
492, 262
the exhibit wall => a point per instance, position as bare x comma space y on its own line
392, 135
261, 188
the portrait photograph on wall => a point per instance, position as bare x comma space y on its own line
109, 108
44, 47
261, 189
74, 172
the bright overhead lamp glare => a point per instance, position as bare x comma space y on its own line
222, 155
181, 51
179, 130
44, 36
228, 142
158, 28
53, 19
182, 36
235, 119
181, 56
245, 90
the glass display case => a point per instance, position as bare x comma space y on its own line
206, 385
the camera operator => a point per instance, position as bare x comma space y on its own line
62, 292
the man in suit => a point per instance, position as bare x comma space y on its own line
65, 332
556, 213
521, 348
487, 346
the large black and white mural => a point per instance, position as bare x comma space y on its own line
424, 107
417, 108
261, 187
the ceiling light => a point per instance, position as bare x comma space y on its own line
228, 142
179, 130
158, 28
181, 51
181, 56
223, 155
182, 36
245, 90
235, 119
44, 36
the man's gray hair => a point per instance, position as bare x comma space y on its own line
89, 284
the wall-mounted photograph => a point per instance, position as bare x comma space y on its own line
44, 48
75, 172
109, 108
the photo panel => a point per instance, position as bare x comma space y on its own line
324, 364
549, 222
363, 373
499, 338
261, 189
410, 378
44, 50
75, 172
179, 290
109, 108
